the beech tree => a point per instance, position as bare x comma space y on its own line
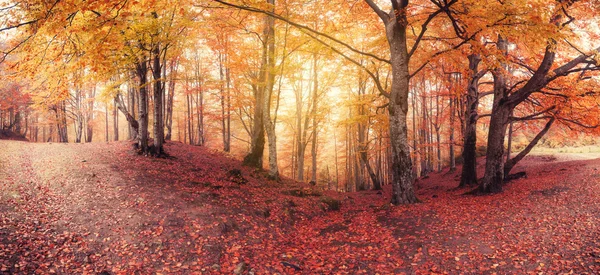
547, 72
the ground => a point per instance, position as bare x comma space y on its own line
101, 209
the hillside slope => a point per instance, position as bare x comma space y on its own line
91, 208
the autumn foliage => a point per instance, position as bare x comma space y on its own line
339, 113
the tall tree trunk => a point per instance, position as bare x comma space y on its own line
228, 113
223, 96
115, 121
337, 175
402, 185
268, 92
142, 73
78, 129
494, 167
79, 113
159, 129
257, 139
509, 145
90, 115
423, 135
200, 114
131, 99
64, 137
315, 91
170, 99
37, 129
299, 139
451, 136
469, 169
17, 123
189, 118
416, 171
106, 122
348, 152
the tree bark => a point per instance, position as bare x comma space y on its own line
142, 73
299, 140
315, 91
423, 135
402, 176
79, 116
170, 99
494, 167
257, 139
268, 90
469, 169
451, 136
510, 135
90, 115
106, 122
115, 121
159, 129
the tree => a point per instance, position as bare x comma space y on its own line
469, 169
506, 98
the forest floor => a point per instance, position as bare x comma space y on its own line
101, 209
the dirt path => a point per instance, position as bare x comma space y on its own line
68, 206
92, 208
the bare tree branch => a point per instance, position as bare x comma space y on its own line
302, 27
384, 16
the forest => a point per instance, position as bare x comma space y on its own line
299, 137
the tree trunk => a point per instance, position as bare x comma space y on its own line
417, 171
374, 178
90, 115
159, 129
222, 98
300, 134
402, 185
131, 99
509, 145
469, 169
451, 136
228, 113
170, 101
439, 149
199, 113
257, 139
269, 34
423, 135
115, 121
142, 73
494, 166
78, 129
315, 90
225, 96
106, 122
79, 113
189, 118
337, 175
